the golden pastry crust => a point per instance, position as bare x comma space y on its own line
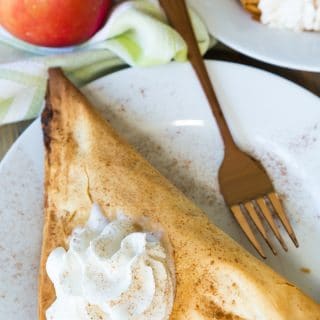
252, 7
86, 162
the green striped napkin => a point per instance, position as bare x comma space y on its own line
136, 34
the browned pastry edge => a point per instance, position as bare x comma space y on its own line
86, 162
252, 7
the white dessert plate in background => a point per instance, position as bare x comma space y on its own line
163, 112
232, 25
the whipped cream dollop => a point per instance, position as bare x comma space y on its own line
291, 14
111, 271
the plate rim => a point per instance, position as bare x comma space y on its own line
267, 59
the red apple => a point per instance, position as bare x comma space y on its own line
53, 23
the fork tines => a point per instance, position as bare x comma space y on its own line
266, 207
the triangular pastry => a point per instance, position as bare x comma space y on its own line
88, 164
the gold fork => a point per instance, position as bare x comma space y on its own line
245, 185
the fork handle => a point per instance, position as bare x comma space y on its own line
178, 16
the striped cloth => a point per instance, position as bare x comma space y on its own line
136, 34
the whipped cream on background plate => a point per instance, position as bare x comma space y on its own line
291, 14
111, 271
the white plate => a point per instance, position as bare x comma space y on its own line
232, 25
163, 112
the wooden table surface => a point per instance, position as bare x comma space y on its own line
309, 80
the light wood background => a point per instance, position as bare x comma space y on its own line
309, 80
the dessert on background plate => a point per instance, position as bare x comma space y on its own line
137, 219
232, 25
298, 15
